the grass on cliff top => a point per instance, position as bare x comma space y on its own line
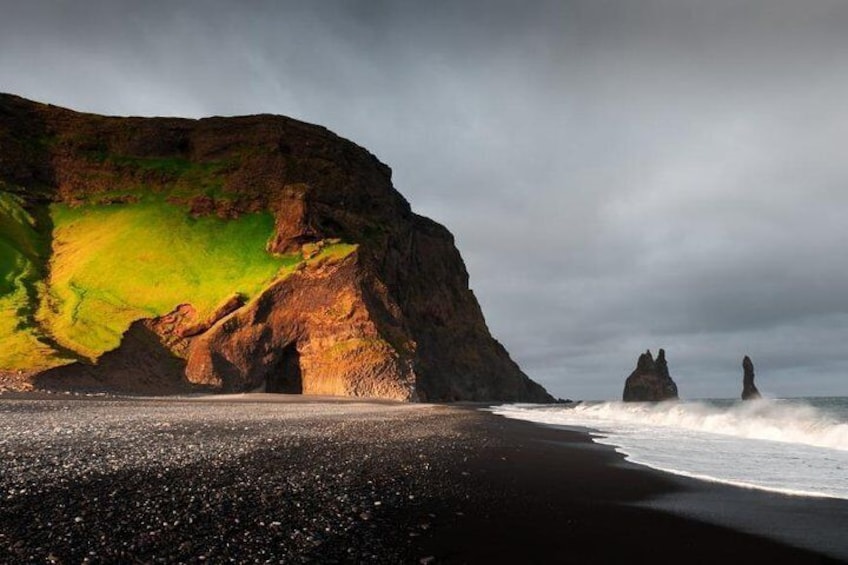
116, 264
23, 252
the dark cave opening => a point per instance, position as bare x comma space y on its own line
287, 379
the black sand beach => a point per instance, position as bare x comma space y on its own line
292, 479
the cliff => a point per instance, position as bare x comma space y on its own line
650, 381
145, 254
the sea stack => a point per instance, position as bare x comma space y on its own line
749, 389
650, 382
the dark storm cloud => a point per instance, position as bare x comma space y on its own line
619, 174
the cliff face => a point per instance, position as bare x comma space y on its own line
353, 293
650, 381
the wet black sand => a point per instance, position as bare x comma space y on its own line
299, 480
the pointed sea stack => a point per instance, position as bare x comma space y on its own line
749, 389
650, 382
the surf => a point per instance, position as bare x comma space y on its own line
793, 446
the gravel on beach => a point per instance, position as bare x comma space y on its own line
170, 480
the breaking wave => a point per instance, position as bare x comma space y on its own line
774, 420
797, 446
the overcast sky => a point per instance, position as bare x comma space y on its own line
619, 174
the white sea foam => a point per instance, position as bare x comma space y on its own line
791, 446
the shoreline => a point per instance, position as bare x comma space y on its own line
300, 478
671, 516
809, 523
686, 476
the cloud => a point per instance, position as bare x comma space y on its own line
619, 175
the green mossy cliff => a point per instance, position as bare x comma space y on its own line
160, 254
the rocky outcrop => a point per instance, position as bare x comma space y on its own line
323, 330
394, 319
650, 381
749, 389
232, 304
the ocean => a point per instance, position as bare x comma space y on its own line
796, 446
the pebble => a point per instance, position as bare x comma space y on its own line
175, 480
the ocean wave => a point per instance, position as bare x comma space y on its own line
788, 446
766, 419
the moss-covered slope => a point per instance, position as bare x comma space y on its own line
23, 255
71, 285
112, 265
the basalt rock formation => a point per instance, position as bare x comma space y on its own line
297, 267
650, 381
749, 389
